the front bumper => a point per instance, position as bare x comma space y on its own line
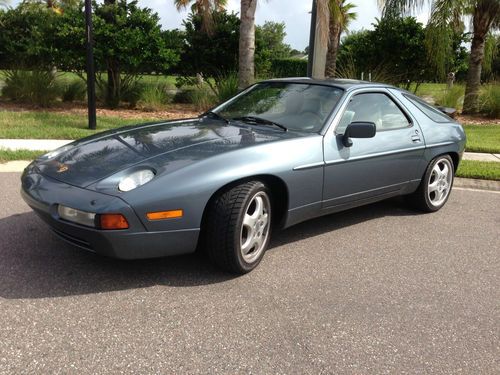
44, 194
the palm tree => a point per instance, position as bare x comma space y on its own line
246, 69
203, 8
340, 16
485, 16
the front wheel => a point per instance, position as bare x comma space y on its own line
238, 227
435, 186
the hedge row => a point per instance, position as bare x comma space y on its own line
289, 68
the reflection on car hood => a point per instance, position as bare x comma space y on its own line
163, 146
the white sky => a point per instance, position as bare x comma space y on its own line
295, 14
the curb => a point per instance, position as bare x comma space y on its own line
470, 183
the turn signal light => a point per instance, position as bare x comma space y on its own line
162, 215
113, 221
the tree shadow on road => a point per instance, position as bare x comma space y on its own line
34, 263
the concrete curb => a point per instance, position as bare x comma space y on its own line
33, 144
470, 183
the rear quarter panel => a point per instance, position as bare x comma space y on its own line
439, 137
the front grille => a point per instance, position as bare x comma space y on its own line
73, 240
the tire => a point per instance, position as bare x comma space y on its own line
238, 227
435, 187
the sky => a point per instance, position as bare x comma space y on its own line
294, 13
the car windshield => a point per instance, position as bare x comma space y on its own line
296, 106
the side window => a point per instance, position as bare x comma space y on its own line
373, 107
431, 112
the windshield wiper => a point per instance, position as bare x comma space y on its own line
216, 115
260, 121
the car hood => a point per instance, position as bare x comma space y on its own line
164, 147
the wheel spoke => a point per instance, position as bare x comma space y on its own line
259, 208
433, 186
249, 244
249, 221
445, 171
437, 171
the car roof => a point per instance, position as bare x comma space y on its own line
345, 84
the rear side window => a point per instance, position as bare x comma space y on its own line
431, 112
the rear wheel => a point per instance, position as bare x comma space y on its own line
238, 227
436, 185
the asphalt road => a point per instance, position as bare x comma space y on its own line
378, 289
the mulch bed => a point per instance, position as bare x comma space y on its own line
173, 111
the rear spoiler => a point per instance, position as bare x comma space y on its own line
452, 112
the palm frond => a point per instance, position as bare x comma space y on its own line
406, 7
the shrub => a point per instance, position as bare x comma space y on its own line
183, 96
153, 97
225, 87
489, 100
202, 98
453, 97
131, 92
289, 68
74, 90
38, 87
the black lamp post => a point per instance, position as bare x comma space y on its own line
90, 66
312, 39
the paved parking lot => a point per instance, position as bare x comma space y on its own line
378, 289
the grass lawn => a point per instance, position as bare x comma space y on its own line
479, 169
66, 77
483, 138
47, 125
8, 155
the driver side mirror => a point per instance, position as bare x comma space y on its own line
358, 130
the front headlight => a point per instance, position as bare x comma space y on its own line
136, 179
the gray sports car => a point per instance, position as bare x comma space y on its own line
281, 152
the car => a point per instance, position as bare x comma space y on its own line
281, 152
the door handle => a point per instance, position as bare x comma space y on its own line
415, 138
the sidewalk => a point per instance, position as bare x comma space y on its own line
33, 144
51, 144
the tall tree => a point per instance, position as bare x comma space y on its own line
246, 66
205, 9
485, 16
341, 15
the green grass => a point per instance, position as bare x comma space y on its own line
483, 138
9, 155
47, 125
479, 169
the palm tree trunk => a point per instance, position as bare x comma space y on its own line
473, 85
246, 75
333, 48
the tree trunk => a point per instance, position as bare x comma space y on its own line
113, 87
246, 75
333, 48
482, 24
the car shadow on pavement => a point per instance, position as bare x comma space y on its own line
34, 263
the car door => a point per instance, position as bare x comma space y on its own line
375, 167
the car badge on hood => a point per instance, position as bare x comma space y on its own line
62, 168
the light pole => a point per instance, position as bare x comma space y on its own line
312, 38
90, 66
